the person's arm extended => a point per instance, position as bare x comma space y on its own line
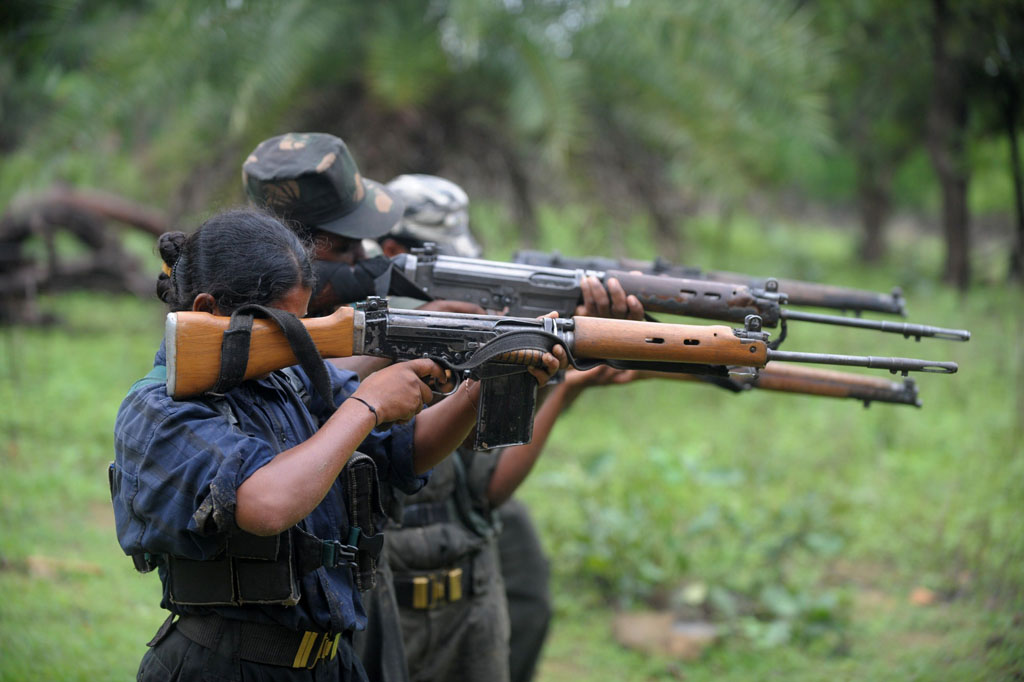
285, 490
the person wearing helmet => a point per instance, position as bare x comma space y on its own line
470, 574
436, 210
311, 181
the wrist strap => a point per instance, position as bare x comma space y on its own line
371, 408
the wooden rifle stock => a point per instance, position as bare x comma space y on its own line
194, 347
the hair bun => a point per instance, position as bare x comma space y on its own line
170, 244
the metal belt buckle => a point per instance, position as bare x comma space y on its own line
455, 584
315, 647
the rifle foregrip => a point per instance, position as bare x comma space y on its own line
530, 358
604, 339
810, 380
193, 343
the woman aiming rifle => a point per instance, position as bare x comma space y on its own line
242, 499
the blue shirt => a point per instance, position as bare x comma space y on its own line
178, 465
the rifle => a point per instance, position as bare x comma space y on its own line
533, 290
779, 376
496, 350
799, 292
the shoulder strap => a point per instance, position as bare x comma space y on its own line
157, 375
297, 385
478, 523
235, 349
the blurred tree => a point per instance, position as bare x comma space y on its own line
947, 133
875, 99
636, 105
692, 100
969, 40
999, 53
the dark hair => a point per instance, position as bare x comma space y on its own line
239, 257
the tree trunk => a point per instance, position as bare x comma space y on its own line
947, 146
874, 199
1017, 253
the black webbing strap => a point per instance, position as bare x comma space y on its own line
426, 513
365, 516
724, 382
262, 642
512, 341
312, 552
234, 351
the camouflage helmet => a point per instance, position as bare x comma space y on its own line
312, 179
436, 210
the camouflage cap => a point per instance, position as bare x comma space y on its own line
312, 178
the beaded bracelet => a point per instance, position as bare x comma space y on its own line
371, 408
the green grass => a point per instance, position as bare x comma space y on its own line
822, 515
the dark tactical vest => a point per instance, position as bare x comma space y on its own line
449, 520
266, 570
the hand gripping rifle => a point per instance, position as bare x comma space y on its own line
533, 290
799, 292
496, 350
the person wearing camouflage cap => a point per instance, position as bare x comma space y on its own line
463, 534
312, 179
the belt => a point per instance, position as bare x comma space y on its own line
263, 643
431, 590
425, 514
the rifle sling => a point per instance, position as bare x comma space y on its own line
723, 382
235, 349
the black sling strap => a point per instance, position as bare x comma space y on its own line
235, 349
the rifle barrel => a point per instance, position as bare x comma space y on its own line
906, 329
894, 365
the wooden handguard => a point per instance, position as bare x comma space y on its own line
811, 381
528, 357
194, 342
605, 339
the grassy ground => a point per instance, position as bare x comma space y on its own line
806, 523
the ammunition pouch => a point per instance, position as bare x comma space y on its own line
252, 569
366, 518
430, 590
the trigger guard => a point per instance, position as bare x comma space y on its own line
456, 379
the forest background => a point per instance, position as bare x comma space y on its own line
864, 143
